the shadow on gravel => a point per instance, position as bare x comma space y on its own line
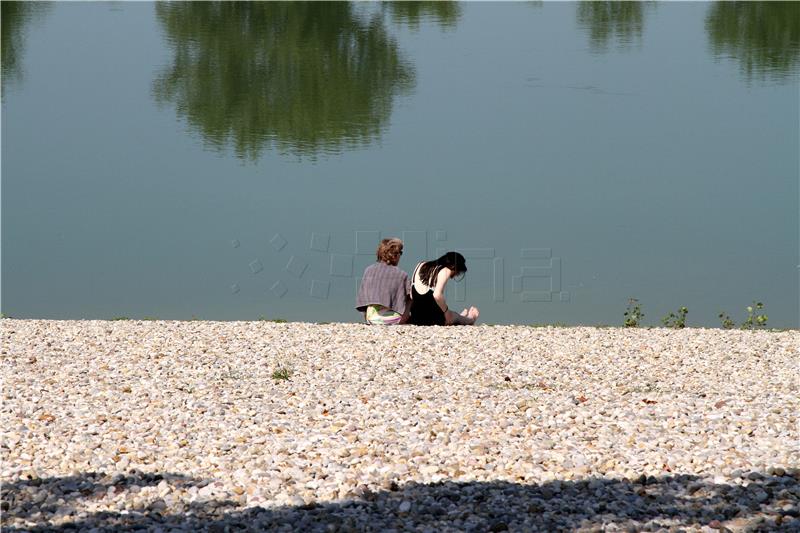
760, 503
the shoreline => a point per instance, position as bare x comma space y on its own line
155, 423
478, 325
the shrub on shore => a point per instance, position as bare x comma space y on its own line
677, 321
633, 314
754, 320
727, 323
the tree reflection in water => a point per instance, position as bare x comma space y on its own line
444, 13
14, 18
622, 22
305, 78
764, 37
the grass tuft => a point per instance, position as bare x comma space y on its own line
281, 372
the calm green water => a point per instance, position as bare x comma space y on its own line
231, 161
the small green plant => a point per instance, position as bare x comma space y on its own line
3, 315
727, 323
281, 372
633, 314
149, 318
674, 320
262, 318
120, 318
755, 320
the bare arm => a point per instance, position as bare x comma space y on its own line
438, 291
451, 318
407, 312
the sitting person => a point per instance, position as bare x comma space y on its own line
428, 305
383, 293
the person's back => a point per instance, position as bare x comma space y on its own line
424, 309
383, 293
428, 305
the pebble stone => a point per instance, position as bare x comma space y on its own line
187, 426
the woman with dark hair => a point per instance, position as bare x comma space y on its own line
428, 305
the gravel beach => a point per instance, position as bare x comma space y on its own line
186, 425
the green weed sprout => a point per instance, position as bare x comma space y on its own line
677, 321
633, 314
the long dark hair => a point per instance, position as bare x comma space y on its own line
430, 269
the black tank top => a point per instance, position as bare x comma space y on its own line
424, 309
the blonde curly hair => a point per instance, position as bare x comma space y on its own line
389, 251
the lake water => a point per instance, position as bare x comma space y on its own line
242, 161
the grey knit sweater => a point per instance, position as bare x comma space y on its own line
384, 285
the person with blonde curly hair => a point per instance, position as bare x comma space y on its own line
383, 296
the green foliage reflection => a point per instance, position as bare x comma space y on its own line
444, 13
14, 17
306, 77
609, 21
763, 36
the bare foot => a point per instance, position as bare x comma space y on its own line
465, 312
473, 313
